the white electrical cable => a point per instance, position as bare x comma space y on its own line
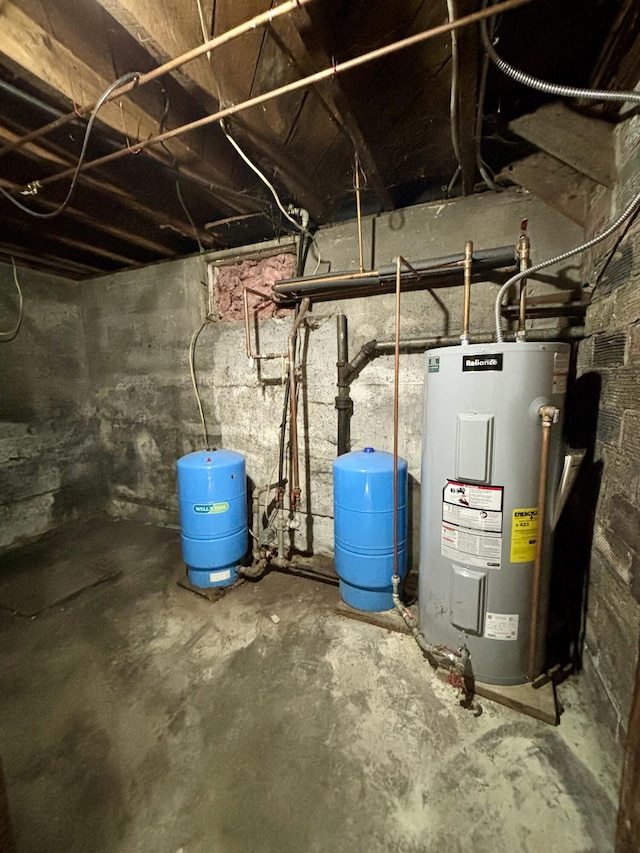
121, 81
273, 192
629, 210
5, 337
453, 101
192, 350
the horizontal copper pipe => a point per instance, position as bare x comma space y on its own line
161, 70
337, 68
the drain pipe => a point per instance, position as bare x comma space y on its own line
374, 349
344, 403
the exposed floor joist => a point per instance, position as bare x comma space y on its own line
556, 183
586, 144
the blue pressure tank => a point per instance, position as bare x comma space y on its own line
212, 494
363, 527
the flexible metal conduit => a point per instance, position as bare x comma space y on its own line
629, 210
325, 74
422, 274
551, 88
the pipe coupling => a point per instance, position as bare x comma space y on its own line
549, 415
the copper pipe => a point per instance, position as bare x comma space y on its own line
247, 331
359, 212
161, 70
337, 68
524, 246
548, 415
294, 491
396, 406
468, 265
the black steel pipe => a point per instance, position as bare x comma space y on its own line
374, 349
344, 403
436, 272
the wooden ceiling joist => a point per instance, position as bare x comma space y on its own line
304, 48
51, 67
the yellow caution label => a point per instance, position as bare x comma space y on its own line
524, 534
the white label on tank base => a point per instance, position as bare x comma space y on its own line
215, 577
475, 497
472, 549
501, 626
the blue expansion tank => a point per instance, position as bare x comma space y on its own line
212, 493
363, 525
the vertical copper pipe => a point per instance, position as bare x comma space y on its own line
294, 492
548, 415
359, 212
523, 253
468, 265
396, 382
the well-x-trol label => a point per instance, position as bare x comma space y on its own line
211, 509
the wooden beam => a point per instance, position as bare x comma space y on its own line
618, 66
54, 155
47, 261
50, 66
305, 50
166, 32
586, 144
59, 231
169, 29
561, 187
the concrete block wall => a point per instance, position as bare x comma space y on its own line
610, 359
140, 324
50, 464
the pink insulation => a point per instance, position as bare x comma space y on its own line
258, 275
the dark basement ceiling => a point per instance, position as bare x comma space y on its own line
195, 191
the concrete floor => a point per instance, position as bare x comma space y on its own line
141, 718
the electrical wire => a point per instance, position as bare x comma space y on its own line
630, 210
189, 217
192, 368
5, 337
264, 180
273, 192
551, 88
126, 78
480, 164
453, 101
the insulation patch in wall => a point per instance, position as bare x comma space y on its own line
258, 274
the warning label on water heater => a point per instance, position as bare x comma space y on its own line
471, 530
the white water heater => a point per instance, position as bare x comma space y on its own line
479, 493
